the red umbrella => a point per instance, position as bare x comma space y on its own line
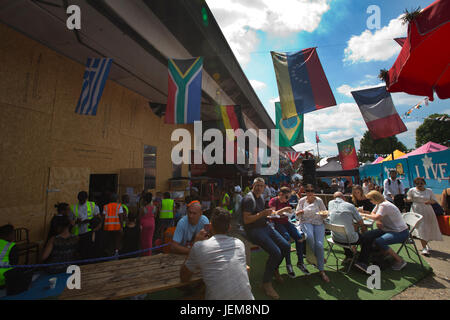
423, 64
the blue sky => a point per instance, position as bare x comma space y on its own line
350, 53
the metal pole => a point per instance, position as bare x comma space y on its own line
318, 154
392, 148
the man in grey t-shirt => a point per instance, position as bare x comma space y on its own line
221, 261
344, 214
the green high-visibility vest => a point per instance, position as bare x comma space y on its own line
224, 202
166, 209
90, 215
5, 249
126, 214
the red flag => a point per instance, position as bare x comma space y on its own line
317, 138
347, 154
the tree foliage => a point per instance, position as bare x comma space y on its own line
369, 147
434, 129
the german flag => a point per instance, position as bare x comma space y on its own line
231, 118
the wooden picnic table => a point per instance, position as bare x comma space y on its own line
124, 278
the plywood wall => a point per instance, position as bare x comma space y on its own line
39, 90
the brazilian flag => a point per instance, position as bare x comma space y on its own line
291, 130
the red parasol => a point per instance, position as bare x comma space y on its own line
423, 64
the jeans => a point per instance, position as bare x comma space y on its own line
315, 235
274, 244
288, 231
382, 239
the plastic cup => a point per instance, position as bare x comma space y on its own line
52, 282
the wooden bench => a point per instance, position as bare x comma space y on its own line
119, 279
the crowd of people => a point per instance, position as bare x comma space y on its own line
216, 234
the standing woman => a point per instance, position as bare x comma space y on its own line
147, 220
422, 198
312, 224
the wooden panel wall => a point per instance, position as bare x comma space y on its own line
39, 90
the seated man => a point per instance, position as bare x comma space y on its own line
190, 229
344, 214
261, 234
221, 261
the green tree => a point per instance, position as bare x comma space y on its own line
435, 128
369, 147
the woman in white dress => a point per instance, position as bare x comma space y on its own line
422, 198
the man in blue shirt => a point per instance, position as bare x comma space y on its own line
190, 229
345, 214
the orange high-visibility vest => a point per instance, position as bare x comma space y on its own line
112, 220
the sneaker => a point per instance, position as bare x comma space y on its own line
399, 266
269, 291
302, 267
425, 252
290, 271
361, 266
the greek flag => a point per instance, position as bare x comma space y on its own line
94, 79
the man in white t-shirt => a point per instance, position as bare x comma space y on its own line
221, 262
394, 190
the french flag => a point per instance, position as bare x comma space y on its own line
378, 111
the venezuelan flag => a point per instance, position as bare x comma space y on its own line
302, 84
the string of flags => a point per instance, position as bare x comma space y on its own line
417, 106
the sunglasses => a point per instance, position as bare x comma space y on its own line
309, 190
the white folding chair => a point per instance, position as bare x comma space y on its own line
412, 219
338, 229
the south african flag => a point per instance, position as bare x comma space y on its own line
185, 91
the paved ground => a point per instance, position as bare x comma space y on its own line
437, 285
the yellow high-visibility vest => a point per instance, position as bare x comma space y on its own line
90, 214
5, 249
166, 209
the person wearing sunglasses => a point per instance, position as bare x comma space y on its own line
422, 198
312, 224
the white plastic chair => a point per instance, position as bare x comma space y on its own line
338, 229
412, 219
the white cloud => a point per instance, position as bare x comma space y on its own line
409, 137
239, 20
258, 85
401, 98
375, 46
346, 89
344, 116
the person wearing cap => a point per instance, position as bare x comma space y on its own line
190, 229
394, 190
237, 199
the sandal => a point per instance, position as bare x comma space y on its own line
324, 277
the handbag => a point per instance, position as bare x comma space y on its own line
438, 210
